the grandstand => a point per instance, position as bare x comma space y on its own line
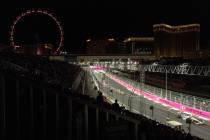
36, 103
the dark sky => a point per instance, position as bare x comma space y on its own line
108, 18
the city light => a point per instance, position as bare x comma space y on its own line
111, 39
41, 12
88, 40
176, 29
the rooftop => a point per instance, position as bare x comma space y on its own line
176, 29
139, 39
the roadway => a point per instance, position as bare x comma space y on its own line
139, 104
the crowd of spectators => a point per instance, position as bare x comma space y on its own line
60, 74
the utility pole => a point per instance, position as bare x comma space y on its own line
84, 82
166, 83
132, 47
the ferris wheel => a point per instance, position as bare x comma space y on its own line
42, 12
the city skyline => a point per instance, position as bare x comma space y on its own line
90, 19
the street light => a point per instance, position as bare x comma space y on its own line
166, 83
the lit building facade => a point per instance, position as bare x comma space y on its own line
168, 41
139, 45
35, 49
103, 46
176, 41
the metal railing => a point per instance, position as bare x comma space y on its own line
34, 110
40, 112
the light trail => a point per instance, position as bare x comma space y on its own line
195, 112
173, 105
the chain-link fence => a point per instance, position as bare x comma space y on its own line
142, 105
188, 100
130, 101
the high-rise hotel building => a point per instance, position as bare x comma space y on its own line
176, 41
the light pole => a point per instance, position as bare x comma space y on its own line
129, 102
189, 121
84, 82
166, 83
168, 117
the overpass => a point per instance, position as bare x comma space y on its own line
112, 57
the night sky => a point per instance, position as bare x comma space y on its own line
95, 19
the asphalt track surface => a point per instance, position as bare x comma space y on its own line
139, 104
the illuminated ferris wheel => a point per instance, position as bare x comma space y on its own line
42, 12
